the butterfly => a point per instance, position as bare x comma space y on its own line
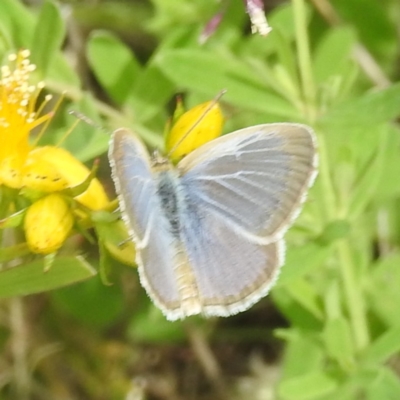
209, 231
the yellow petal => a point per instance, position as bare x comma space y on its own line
42, 175
10, 172
195, 127
47, 224
68, 171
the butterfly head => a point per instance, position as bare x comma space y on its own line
160, 162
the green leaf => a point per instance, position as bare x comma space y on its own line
333, 53
304, 293
371, 109
18, 21
381, 39
191, 69
105, 267
80, 188
295, 311
150, 325
309, 386
62, 78
117, 241
47, 37
303, 353
86, 141
385, 346
286, 56
31, 278
335, 230
338, 341
390, 185
383, 289
366, 184
113, 64
13, 252
13, 220
386, 387
302, 260
91, 303
282, 18
152, 90
49, 260
5, 37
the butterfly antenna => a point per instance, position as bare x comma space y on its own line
206, 111
87, 120
79, 117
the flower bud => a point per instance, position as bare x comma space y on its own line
195, 127
47, 224
67, 171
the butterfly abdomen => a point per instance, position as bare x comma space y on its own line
172, 201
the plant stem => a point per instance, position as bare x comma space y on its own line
354, 299
328, 190
304, 57
19, 349
353, 296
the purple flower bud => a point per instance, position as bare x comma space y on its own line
211, 26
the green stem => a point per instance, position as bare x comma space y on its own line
328, 190
5, 201
19, 348
304, 57
353, 295
352, 292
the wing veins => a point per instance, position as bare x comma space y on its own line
259, 150
239, 193
219, 209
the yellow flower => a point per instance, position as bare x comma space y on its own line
47, 224
195, 127
39, 172
61, 170
23, 165
17, 116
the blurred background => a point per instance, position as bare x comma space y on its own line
330, 329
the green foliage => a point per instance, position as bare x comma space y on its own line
91, 303
31, 278
47, 37
339, 288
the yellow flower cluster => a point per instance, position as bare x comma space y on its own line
48, 171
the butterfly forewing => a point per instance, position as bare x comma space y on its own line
134, 182
138, 197
254, 179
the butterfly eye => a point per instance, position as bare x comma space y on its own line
195, 127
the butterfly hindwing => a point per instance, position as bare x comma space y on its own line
231, 272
